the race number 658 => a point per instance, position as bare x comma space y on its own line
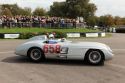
51, 48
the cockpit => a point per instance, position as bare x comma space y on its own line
50, 42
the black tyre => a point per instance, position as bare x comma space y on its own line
36, 54
95, 57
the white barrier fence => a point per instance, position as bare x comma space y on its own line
76, 35
69, 35
92, 34
73, 34
11, 36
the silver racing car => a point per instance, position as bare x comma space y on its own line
39, 48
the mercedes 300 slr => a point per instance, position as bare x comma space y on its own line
40, 48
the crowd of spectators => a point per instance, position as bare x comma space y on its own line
37, 21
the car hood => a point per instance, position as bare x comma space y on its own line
91, 45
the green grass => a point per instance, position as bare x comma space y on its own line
26, 30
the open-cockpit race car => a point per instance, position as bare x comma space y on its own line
39, 48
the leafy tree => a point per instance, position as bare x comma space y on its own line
80, 8
106, 21
73, 9
6, 12
92, 21
15, 9
102, 21
118, 21
0, 10
58, 9
123, 21
26, 11
110, 20
39, 12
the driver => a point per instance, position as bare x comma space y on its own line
63, 39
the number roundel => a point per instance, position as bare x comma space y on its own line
48, 48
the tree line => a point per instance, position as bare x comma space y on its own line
66, 9
106, 21
14, 9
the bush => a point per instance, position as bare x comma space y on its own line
26, 35
120, 30
60, 34
29, 35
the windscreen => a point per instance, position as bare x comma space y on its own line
41, 37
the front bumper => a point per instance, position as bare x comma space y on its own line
21, 52
108, 55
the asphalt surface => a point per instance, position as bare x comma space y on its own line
17, 69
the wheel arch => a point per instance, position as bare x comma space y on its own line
89, 50
37, 48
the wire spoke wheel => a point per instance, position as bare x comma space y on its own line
95, 57
35, 54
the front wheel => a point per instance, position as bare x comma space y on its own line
95, 57
36, 54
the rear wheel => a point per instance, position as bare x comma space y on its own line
36, 54
95, 57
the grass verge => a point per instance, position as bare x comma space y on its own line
32, 30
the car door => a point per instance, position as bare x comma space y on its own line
75, 51
51, 50
55, 50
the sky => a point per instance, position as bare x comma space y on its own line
113, 7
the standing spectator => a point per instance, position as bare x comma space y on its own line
19, 22
62, 22
15, 21
1, 21
35, 21
74, 23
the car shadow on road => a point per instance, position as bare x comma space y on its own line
16, 59
26, 60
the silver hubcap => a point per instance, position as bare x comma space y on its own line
95, 57
35, 54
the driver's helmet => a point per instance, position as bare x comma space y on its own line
63, 39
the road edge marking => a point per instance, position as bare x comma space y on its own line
4, 52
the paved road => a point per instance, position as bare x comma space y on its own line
17, 69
